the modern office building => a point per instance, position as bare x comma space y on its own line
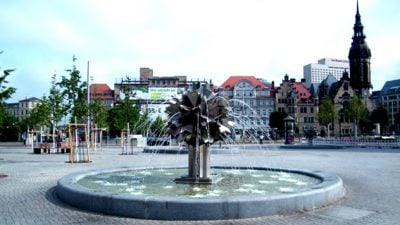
390, 99
315, 73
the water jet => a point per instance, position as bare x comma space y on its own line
199, 192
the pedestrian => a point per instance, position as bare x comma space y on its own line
23, 137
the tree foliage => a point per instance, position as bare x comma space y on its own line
98, 113
57, 106
9, 127
119, 116
276, 120
74, 92
356, 110
40, 115
158, 127
380, 115
327, 112
5, 92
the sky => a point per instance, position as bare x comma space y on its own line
208, 39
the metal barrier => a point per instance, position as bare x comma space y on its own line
363, 143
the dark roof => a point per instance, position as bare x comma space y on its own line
334, 88
329, 80
33, 99
393, 85
314, 88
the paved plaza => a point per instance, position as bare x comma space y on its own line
371, 178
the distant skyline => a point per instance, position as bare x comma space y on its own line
200, 39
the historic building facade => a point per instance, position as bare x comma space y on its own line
294, 99
21, 110
102, 92
251, 101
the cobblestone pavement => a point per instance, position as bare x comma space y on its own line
371, 178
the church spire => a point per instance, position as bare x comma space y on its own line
359, 58
358, 27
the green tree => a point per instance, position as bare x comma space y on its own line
9, 127
356, 110
40, 115
5, 92
142, 124
56, 103
74, 92
380, 116
158, 127
327, 112
98, 113
123, 113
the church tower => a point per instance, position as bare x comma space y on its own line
359, 58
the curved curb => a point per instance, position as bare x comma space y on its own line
169, 208
296, 146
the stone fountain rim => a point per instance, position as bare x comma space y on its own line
327, 191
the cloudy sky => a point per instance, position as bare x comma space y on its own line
208, 39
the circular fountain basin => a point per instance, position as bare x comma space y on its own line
239, 193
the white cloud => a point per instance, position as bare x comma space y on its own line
200, 39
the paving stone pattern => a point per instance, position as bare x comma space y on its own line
371, 178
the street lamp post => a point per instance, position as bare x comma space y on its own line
393, 128
88, 105
340, 124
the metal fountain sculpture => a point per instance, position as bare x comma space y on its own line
199, 119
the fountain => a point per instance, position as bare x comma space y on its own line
202, 192
201, 119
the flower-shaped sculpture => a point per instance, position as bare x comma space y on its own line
199, 119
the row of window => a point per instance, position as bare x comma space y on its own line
303, 109
248, 122
246, 111
286, 100
253, 103
164, 82
308, 119
102, 94
18, 112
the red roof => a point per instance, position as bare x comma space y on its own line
100, 88
302, 91
101, 91
233, 80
